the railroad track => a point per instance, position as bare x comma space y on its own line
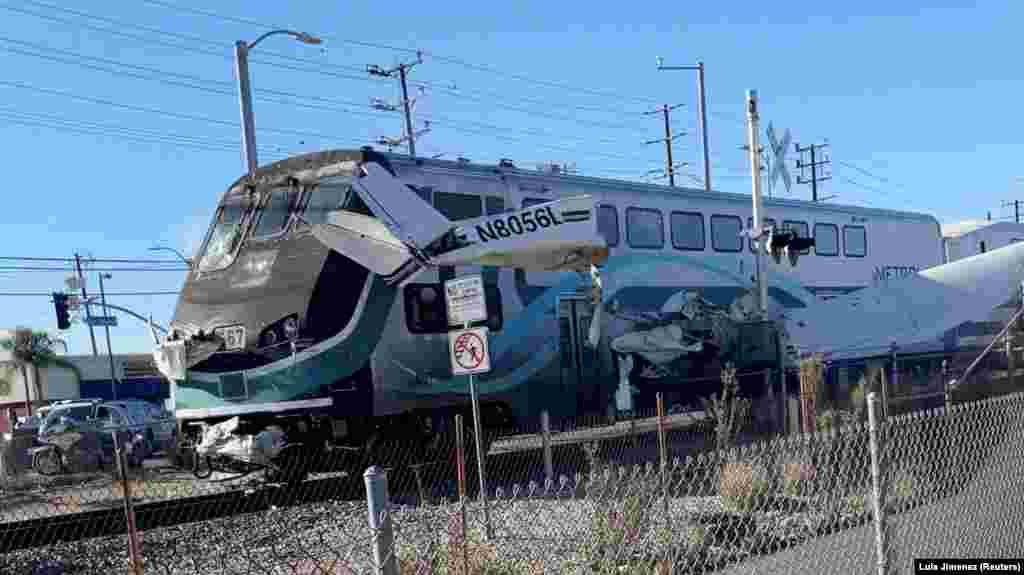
111, 521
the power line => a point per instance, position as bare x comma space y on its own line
119, 133
108, 294
669, 137
70, 268
97, 260
184, 47
157, 77
449, 59
813, 165
55, 121
147, 110
443, 121
454, 92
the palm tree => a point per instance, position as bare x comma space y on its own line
29, 349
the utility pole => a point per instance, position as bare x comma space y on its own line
703, 115
110, 353
669, 166
813, 165
85, 298
755, 174
403, 72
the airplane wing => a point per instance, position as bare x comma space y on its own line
560, 235
365, 240
915, 309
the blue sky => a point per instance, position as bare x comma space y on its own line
918, 105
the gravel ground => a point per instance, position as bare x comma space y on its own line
531, 535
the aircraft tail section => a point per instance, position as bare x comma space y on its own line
409, 217
919, 308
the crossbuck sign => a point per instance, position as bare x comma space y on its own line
779, 156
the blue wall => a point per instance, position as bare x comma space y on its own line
154, 389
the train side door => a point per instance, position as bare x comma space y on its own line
580, 370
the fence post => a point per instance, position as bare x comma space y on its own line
877, 491
379, 507
460, 463
545, 429
663, 452
134, 556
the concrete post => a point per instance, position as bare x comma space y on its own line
378, 504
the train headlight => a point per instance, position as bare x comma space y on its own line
284, 329
290, 327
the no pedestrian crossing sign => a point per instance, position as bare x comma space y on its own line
467, 350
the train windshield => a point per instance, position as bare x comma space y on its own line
225, 235
326, 198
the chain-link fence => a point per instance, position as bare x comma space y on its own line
660, 492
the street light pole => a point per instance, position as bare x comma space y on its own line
242, 50
187, 261
110, 353
703, 115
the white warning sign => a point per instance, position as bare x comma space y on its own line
466, 300
467, 349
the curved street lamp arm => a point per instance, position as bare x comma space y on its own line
301, 36
94, 301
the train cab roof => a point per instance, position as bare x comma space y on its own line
311, 167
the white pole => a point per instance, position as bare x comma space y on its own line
478, 436
755, 166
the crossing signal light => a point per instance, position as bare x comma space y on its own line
787, 243
60, 304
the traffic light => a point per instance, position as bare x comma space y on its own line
60, 304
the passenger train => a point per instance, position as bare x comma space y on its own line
282, 328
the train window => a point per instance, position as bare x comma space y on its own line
225, 235
768, 222
687, 230
645, 228
457, 207
324, 200
494, 205
274, 214
855, 241
725, 233
826, 240
802, 231
527, 202
425, 309
608, 224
